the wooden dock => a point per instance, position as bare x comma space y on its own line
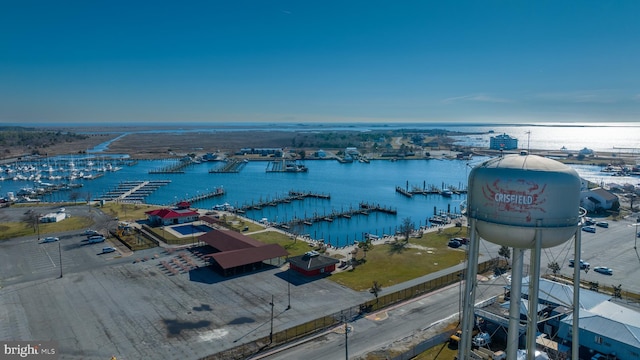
293, 195
177, 168
133, 191
403, 192
231, 166
363, 209
216, 192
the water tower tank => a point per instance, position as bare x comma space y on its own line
509, 194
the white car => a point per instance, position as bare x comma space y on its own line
49, 239
107, 250
603, 270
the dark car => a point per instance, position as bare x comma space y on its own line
583, 264
603, 224
591, 229
454, 244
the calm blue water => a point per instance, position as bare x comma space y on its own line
349, 184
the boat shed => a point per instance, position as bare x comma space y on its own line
313, 263
235, 253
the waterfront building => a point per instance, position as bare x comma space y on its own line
164, 217
503, 142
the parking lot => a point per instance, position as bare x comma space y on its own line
612, 247
135, 307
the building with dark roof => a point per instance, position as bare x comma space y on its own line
236, 253
313, 263
599, 199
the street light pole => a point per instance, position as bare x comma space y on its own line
60, 253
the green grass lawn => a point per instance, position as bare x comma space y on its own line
274, 237
127, 212
391, 264
17, 229
387, 264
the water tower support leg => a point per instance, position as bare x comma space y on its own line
468, 307
534, 292
575, 341
515, 298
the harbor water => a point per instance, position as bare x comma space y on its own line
347, 185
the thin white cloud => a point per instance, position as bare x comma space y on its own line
581, 97
476, 98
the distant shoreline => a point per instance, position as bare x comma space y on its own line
149, 143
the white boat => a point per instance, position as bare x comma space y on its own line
446, 193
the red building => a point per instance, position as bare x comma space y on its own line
165, 217
313, 263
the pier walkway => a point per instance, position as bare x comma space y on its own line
231, 166
177, 168
216, 192
363, 209
293, 195
133, 191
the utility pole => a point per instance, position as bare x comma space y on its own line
289, 285
271, 332
346, 338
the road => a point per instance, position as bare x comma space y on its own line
423, 315
612, 247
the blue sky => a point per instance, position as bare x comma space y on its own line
319, 61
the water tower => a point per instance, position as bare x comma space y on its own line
524, 202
